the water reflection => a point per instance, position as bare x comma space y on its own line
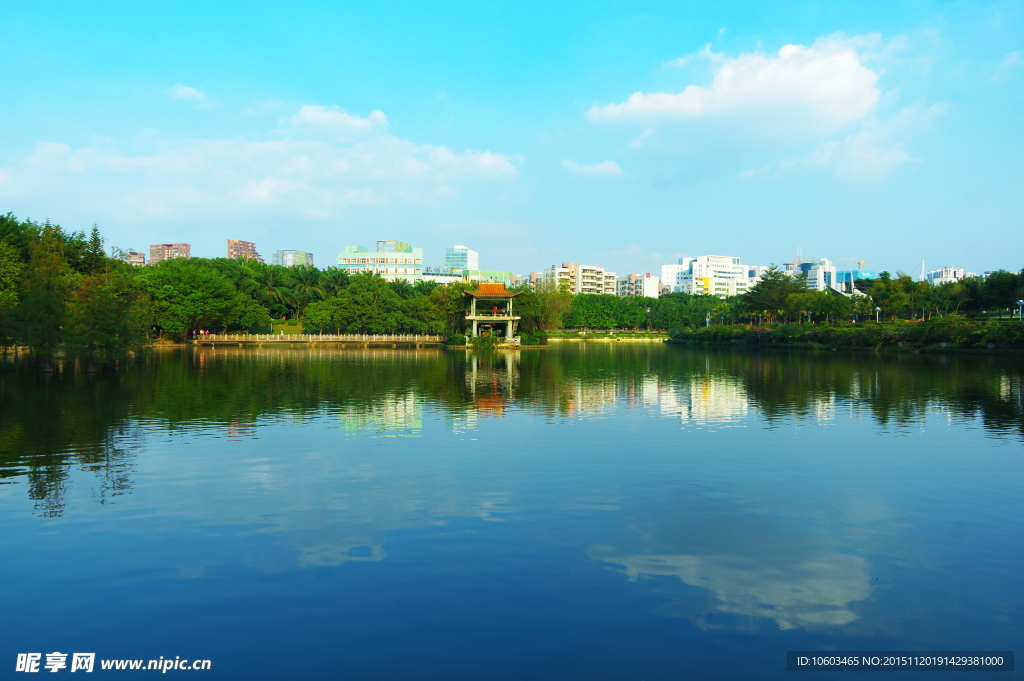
48, 425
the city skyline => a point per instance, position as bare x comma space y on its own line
626, 136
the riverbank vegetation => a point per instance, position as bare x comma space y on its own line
61, 293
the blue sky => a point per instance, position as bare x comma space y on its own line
622, 134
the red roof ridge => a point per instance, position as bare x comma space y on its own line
491, 288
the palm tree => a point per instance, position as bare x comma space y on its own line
403, 288
334, 280
424, 287
306, 287
271, 282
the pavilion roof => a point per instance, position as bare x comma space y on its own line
492, 289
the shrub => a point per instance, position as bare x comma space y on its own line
484, 341
456, 339
537, 338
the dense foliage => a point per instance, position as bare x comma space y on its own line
954, 330
59, 292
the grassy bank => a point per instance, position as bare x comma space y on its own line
945, 333
575, 334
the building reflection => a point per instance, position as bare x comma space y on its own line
393, 415
491, 384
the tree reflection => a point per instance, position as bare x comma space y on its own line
50, 426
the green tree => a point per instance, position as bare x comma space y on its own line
334, 280
369, 305
450, 302
189, 294
552, 304
108, 317
43, 306
12, 270
93, 258
770, 295
403, 288
592, 311
305, 288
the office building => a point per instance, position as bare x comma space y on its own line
506, 278
135, 258
709, 275
458, 258
292, 258
158, 252
754, 274
670, 275
393, 260
242, 250
820, 272
845, 278
585, 278
639, 285
947, 275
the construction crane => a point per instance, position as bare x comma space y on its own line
860, 263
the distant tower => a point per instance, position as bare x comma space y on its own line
238, 250
158, 252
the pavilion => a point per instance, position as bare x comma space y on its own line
490, 310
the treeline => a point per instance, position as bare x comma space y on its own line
60, 293
951, 330
779, 298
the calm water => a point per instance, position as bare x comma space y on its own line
600, 511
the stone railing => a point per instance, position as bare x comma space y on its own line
317, 338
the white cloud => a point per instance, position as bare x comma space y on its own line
818, 89
705, 53
180, 91
869, 154
334, 120
1008, 65
605, 168
301, 175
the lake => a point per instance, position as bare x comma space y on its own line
589, 511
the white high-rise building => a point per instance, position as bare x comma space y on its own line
393, 260
946, 275
669, 275
712, 275
585, 278
458, 258
639, 285
820, 272
292, 258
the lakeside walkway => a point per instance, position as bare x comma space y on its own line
363, 339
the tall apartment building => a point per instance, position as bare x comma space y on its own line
458, 258
946, 275
292, 258
135, 258
639, 285
710, 275
585, 278
820, 272
158, 252
238, 250
392, 260
670, 275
